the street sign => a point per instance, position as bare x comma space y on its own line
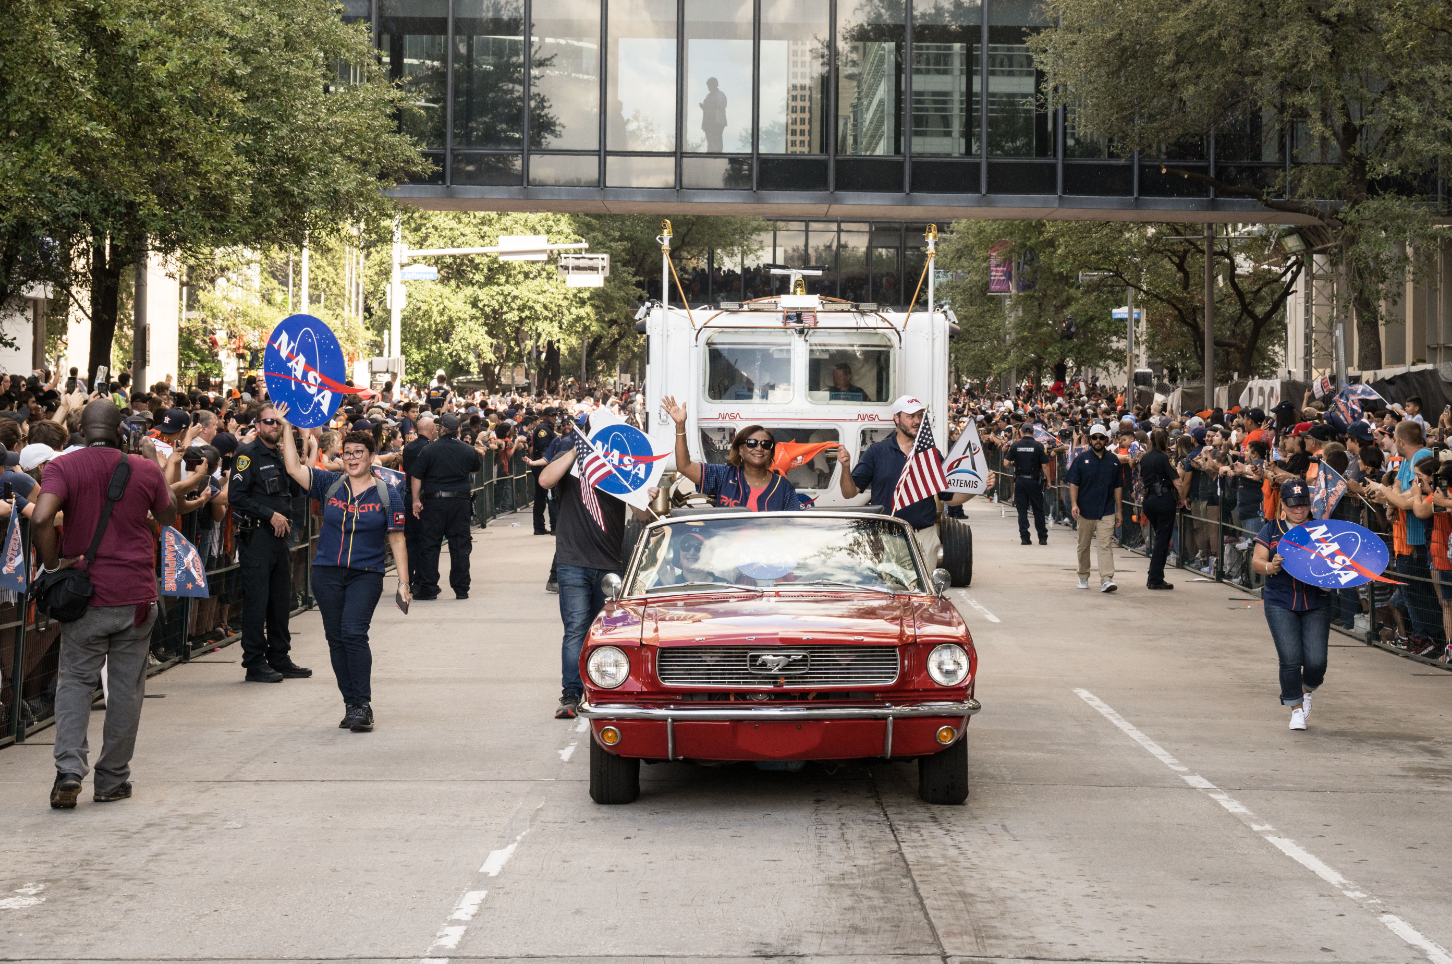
418, 272
1123, 314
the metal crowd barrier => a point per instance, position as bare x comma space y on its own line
186, 627
1212, 546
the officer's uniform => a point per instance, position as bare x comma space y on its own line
259, 487
443, 469
539, 444
437, 396
412, 528
1028, 458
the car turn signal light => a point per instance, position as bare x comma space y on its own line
946, 734
609, 736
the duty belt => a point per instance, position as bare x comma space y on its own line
445, 495
1157, 488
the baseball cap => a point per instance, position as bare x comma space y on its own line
1321, 433
224, 442
362, 425
1198, 432
1361, 430
449, 422
1256, 415
1301, 428
10, 458
1195, 421
1097, 429
173, 421
1295, 492
907, 405
35, 454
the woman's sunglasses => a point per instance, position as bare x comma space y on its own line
757, 443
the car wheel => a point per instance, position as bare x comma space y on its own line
613, 779
943, 777
957, 539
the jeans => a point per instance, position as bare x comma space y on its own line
1301, 640
581, 600
109, 635
346, 598
1423, 606
1160, 510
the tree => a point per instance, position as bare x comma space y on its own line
1361, 86
187, 125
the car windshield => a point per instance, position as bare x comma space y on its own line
776, 551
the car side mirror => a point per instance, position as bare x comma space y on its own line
942, 579
611, 584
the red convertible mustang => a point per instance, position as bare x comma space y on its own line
778, 637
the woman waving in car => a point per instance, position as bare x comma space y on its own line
747, 479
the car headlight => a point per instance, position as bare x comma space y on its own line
608, 667
948, 664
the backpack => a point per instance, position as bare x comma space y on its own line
342, 480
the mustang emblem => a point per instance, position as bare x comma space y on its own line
778, 663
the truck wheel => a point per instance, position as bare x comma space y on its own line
957, 539
613, 779
633, 528
943, 777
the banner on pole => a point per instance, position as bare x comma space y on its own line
966, 466
13, 571
182, 573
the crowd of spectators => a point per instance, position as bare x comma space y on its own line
1228, 466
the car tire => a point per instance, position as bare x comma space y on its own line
943, 777
957, 539
633, 528
613, 779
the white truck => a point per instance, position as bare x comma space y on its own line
810, 368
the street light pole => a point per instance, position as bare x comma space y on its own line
1129, 353
1209, 315
395, 294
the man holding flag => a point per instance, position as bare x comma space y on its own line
905, 473
588, 537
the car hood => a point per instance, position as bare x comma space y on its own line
789, 618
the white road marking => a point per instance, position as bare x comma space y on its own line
980, 607
1435, 952
27, 897
468, 905
582, 726
496, 860
568, 752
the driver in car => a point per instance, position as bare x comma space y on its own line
690, 549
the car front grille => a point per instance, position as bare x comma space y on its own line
771, 666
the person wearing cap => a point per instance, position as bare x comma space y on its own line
879, 469
167, 433
1297, 612
539, 443
1029, 458
1410, 536
440, 486
438, 392
1096, 497
261, 495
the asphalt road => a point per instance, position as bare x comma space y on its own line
1136, 796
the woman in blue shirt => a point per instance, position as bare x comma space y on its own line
747, 479
358, 524
1299, 619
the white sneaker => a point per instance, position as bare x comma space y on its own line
1306, 706
1083, 582
1107, 586
1298, 719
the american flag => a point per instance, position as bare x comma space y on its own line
922, 477
593, 470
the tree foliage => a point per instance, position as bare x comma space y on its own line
1361, 86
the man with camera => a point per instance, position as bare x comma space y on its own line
106, 496
261, 494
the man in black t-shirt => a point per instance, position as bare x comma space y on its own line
584, 554
438, 392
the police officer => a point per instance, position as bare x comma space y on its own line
261, 495
539, 444
412, 525
1028, 458
439, 482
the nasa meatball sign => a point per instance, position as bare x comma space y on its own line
634, 462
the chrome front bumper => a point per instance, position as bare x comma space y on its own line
765, 711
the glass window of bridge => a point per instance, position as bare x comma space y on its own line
1019, 125
565, 75
947, 47
849, 367
749, 366
869, 76
640, 85
794, 55
489, 74
718, 76
852, 261
411, 37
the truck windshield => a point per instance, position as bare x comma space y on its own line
749, 366
796, 551
848, 367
